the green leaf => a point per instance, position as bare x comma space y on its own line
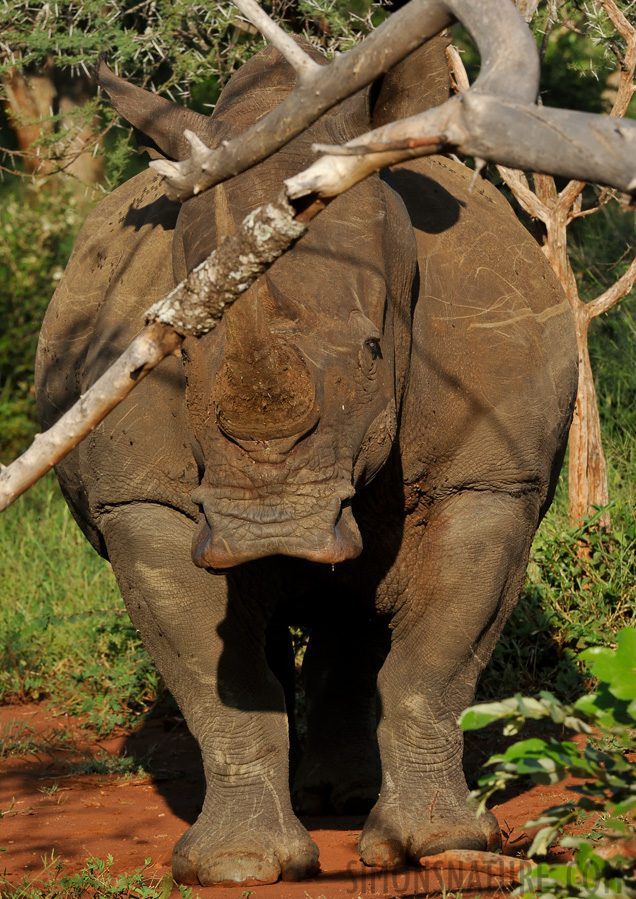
165, 886
523, 748
480, 715
617, 668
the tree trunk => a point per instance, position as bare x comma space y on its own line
32, 98
587, 472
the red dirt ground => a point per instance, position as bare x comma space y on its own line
91, 815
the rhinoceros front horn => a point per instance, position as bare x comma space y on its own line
265, 389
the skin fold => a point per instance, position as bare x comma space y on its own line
365, 446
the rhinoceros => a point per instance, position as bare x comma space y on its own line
364, 447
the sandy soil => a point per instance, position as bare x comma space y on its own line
47, 807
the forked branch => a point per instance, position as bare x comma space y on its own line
505, 43
496, 119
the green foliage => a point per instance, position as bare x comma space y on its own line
572, 600
95, 881
37, 231
63, 628
184, 50
608, 791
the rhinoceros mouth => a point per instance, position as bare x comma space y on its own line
222, 542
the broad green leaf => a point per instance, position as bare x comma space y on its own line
522, 748
480, 715
617, 668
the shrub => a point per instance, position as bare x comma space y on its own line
608, 793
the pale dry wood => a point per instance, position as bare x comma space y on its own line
303, 64
613, 294
567, 198
457, 68
605, 197
502, 867
527, 198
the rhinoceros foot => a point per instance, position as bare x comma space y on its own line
390, 839
205, 855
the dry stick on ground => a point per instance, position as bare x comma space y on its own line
509, 73
556, 210
501, 868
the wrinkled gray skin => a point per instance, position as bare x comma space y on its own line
365, 446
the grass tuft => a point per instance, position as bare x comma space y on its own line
63, 627
96, 880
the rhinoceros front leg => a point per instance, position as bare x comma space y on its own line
460, 579
209, 646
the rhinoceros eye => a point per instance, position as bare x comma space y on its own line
374, 346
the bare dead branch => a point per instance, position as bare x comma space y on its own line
613, 294
303, 64
545, 188
510, 69
432, 144
457, 68
518, 184
605, 197
200, 301
627, 31
561, 142
567, 198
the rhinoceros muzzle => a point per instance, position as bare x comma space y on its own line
326, 531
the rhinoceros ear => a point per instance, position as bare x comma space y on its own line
419, 82
158, 123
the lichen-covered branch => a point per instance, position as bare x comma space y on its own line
199, 302
192, 308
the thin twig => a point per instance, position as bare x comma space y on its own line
613, 294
